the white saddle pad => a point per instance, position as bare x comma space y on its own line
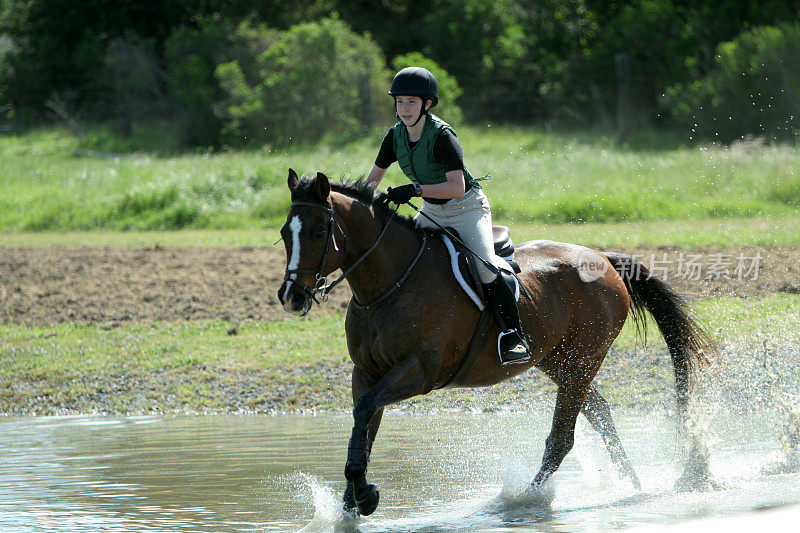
497, 261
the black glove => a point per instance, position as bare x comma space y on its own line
402, 194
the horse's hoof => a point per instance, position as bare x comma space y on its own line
368, 504
538, 495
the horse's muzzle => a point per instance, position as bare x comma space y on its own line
294, 301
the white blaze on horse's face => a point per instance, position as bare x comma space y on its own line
295, 226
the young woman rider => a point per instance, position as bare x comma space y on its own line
430, 156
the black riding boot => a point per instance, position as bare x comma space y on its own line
513, 348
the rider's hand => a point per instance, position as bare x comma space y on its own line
402, 194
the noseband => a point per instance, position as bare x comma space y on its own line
321, 281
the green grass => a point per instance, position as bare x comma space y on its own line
537, 177
688, 234
65, 351
188, 238
197, 366
735, 321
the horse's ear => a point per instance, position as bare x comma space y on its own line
323, 186
293, 180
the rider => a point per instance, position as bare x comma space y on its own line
430, 156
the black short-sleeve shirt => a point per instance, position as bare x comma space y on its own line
446, 149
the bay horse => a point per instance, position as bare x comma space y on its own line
409, 323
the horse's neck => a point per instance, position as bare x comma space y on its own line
387, 262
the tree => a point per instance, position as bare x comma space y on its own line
752, 90
317, 79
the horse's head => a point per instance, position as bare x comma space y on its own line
309, 237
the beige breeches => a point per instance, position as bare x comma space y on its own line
471, 217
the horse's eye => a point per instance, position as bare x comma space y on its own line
319, 233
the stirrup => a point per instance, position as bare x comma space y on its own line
507, 358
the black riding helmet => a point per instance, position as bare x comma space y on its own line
416, 81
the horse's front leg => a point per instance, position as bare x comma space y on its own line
404, 381
360, 385
350, 507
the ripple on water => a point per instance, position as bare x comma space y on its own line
437, 472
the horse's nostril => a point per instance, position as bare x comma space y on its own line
284, 293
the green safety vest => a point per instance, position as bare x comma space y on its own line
419, 163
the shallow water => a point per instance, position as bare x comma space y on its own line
436, 472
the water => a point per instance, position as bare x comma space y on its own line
436, 472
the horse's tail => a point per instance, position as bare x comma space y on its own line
686, 340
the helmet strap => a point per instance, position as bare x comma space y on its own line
422, 113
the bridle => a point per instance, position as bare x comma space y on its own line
320, 280
321, 285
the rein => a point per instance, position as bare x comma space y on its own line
489, 265
321, 284
388, 292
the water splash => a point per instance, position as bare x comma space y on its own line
328, 507
518, 502
595, 477
789, 409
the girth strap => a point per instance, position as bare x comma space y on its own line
474, 349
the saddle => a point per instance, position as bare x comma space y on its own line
465, 271
503, 246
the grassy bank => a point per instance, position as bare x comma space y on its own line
299, 362
728, 232
56, 351
48, 183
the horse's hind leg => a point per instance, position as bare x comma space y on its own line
569, 401
598, 413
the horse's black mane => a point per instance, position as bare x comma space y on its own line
360, 189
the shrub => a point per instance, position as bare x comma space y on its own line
449, 90
754, 90
242, 110
318, 79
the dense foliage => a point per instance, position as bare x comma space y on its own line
317, 79
265, 71
754, 89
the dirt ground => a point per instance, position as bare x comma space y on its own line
108, 286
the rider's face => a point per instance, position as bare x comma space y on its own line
408, 108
